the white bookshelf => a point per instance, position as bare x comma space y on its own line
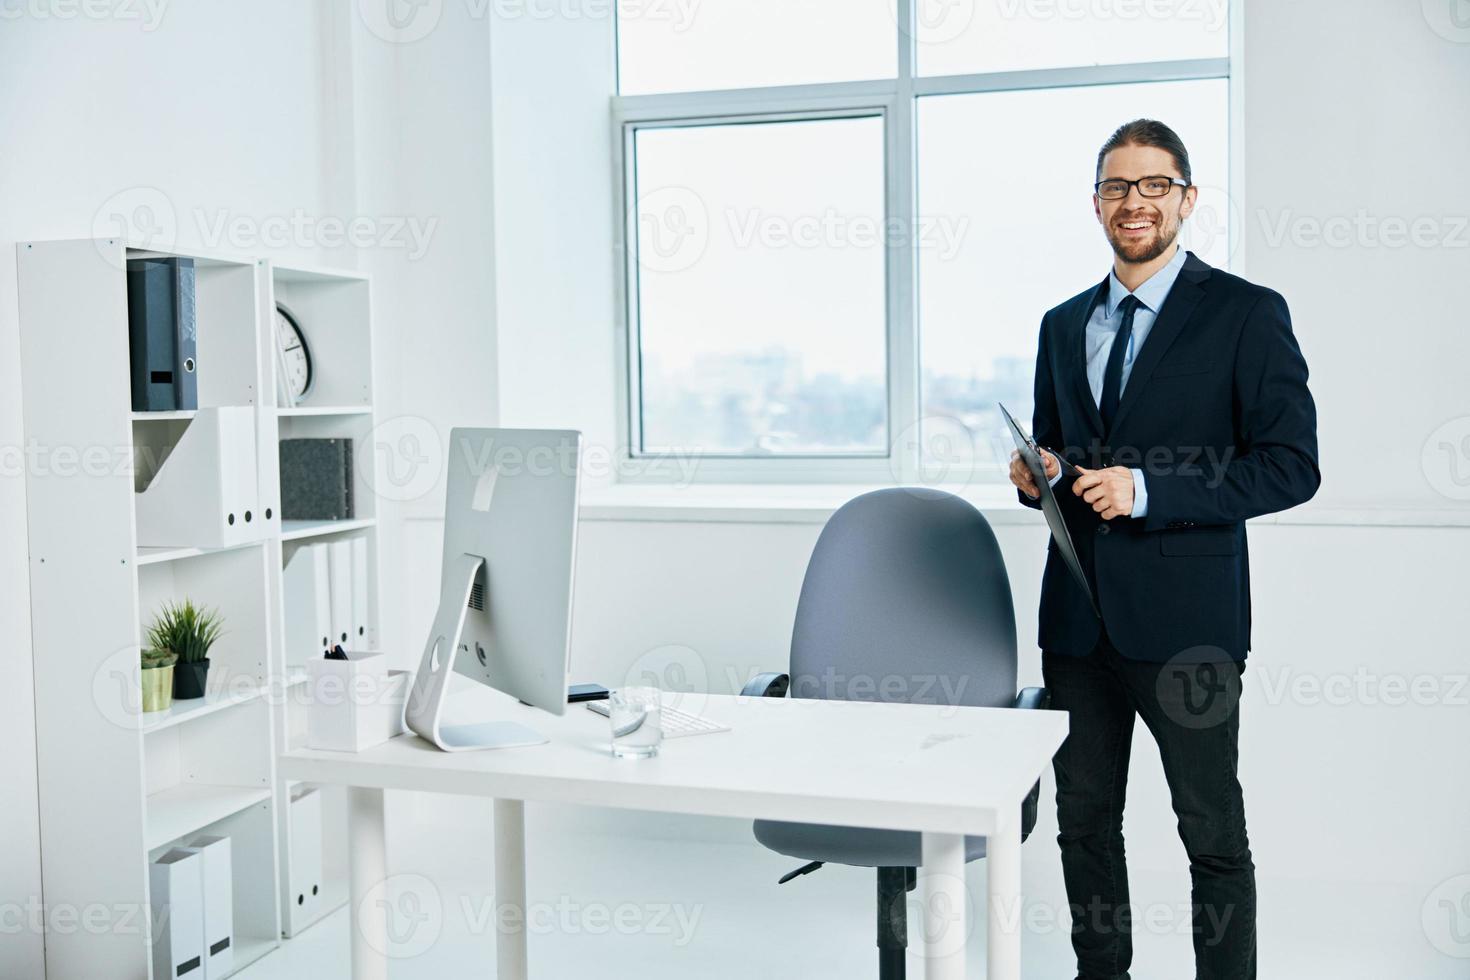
333, 307
117, 787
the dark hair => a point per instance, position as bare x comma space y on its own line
1147, 132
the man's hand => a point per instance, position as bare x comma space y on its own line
1109, 491
1021, 473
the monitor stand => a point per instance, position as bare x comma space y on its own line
426, 701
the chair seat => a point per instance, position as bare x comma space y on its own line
858, 846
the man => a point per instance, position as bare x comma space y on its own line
1180, 394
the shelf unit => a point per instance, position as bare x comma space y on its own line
118, 787
334, 308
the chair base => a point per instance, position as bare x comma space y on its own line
894, 884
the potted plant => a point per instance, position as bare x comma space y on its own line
158, 679
188, 631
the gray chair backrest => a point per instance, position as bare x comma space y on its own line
906, 599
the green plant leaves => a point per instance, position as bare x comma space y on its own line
186, 630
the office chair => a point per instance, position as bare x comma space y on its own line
904, 584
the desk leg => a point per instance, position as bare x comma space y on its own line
368, 847
942, 896
510, 890
1003, 903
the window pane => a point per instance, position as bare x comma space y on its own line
1014, 170
957, 37
761, 288
692, 45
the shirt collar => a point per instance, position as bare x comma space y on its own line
1153, 291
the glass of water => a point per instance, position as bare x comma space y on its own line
637, 722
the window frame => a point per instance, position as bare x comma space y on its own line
896, 100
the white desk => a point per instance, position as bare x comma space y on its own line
944, 772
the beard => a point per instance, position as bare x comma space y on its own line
1137, 252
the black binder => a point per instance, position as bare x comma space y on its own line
162, 334
316, 479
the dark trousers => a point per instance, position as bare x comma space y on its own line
1191, 708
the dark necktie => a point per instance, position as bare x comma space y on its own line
1113, 373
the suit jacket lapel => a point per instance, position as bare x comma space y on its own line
1077, 343
1183, 298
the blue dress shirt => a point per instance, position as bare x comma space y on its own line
1102, 328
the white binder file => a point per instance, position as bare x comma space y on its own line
360, 593
204, 493
306, 583
176, 886
341, 577
217, 876
305, 894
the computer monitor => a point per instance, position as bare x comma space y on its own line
505, 587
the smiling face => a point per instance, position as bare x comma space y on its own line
1139, 228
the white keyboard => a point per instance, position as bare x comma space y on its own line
675, 723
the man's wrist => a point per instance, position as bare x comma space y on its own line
1140, 495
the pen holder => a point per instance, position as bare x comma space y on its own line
354, 704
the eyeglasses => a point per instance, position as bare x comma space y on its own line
1115, 189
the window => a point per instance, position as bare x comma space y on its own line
840, 237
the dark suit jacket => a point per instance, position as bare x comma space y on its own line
1217, 414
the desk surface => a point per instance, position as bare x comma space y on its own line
897, 766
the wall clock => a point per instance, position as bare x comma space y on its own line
295, 356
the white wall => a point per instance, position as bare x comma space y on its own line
1358, 804
257, 112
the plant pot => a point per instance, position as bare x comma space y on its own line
189, 679
158, 688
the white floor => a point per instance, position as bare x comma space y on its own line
626, 895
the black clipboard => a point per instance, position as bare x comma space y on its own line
1049, 506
